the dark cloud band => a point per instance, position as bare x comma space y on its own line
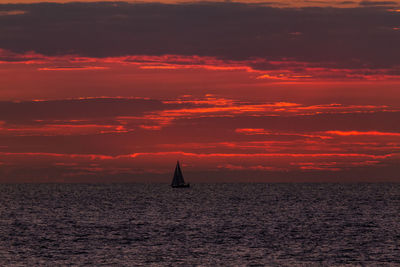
335, 37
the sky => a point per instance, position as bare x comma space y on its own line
238, 91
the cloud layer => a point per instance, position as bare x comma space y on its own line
139, 139
268, 92
336, 38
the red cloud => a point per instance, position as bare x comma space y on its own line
358, 133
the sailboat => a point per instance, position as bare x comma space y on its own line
177, 181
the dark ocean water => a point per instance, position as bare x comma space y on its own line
208, 225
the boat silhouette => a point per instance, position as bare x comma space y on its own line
178, 181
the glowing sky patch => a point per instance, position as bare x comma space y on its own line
357, 133
74, 68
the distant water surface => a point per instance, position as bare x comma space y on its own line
208, 224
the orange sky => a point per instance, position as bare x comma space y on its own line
126, 108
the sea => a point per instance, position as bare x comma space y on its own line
204, 225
